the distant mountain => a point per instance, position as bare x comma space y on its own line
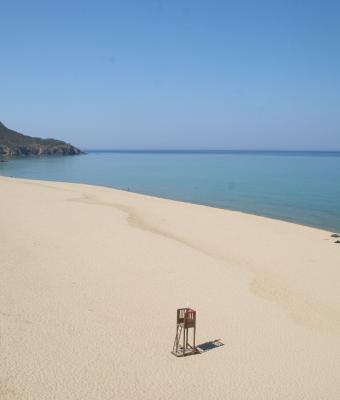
16, 144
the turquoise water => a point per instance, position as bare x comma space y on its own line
302, 187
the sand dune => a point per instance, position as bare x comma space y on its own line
91, 278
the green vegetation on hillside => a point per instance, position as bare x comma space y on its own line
15, 144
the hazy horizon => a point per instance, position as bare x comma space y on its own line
200, 150
173, 75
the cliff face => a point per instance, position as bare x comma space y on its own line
15, 144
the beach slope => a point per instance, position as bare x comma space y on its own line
91, 278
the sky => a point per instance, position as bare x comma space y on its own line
173, 74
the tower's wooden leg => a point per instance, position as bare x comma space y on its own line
194, 338
184, 341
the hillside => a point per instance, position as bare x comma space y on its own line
13, 143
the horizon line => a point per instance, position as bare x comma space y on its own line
173, 150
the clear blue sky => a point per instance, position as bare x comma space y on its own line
173, 74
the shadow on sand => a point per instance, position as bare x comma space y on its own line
207, 346
199, 349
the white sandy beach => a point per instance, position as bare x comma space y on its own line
91, 279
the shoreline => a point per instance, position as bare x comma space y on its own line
282, 219
91, 278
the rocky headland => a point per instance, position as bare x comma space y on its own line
13, 143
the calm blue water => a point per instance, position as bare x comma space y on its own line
302, 187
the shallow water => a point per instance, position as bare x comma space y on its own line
303, 187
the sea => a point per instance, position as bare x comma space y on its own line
297, 186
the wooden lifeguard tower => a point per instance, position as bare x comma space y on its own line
186, 319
